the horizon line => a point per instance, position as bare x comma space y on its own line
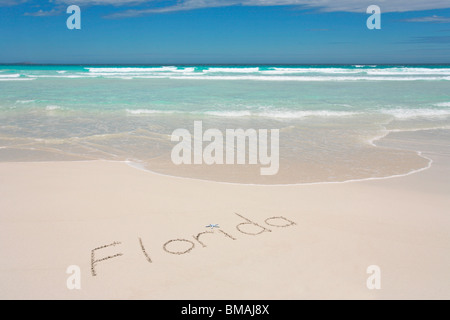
222, 64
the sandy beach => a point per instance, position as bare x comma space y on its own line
230, 151
303, 242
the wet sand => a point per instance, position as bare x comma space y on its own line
137, 235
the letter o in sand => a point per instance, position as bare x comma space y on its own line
192, 245
289, 222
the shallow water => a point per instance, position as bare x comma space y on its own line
330, 117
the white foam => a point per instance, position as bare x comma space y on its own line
399, 113
138, 74
443, 104
66, 76
246, 113
397, 71
52, 108
229, 113
184, 70
313, 70
25, 101
306, 113
231, 70
15, 75
305, 74
135, 70
17, 79
382, 135
409, 71
444, 127
404, 114
309, 78
149, 111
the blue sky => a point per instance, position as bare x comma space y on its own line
225, 32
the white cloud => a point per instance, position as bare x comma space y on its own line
323, 5
361, 5
4, 3
102, 2
42, 13
432, 19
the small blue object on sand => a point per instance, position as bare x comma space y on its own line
212, 226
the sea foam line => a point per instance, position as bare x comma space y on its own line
150, 111
196, 76
404, 114
399, 113
52, 108
309, 78
443, 104
247, 113
25, 101
17, 79
15, 75
140, 166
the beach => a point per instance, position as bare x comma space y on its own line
321, 238
224, 157
94, 205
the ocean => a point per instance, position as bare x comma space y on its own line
332, 119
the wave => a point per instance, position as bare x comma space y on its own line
136, 70
443, 104
280, 114
229, 113
17, 79
310, 78
443, 127
232, 70
398, 113
138, 75
278, 70
273, 70
210, 113
69, 76
25, 101
263, 73
188, 76
52, 108
405, 114
409, 71
150, 111
306, 113
257, 73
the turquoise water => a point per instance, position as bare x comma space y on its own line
329, 116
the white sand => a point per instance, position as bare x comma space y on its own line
53, 214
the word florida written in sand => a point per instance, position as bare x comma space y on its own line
184, 246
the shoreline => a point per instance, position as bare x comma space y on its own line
74, 207
138, 166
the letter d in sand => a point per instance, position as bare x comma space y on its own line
251, 225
